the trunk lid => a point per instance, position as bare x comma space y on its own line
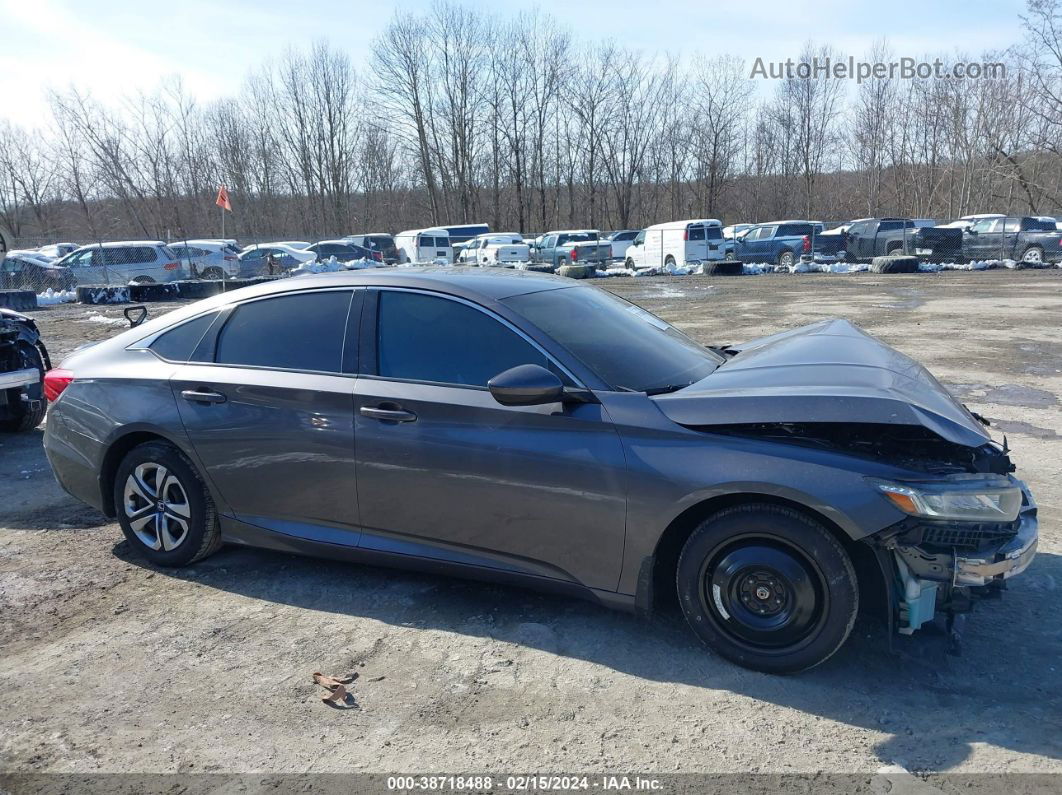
830, 371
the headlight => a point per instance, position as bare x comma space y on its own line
976, 500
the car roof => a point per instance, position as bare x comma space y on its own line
687, 222
119, 243
435, 230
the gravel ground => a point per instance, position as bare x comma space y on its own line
110, 665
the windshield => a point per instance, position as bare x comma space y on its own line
625, 346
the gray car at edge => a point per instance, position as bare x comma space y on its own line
526, 428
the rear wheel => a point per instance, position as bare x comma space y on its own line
785, 259
215, 274
1034, 255
164, 508
669, 261
629, 264
143, 280
768, 588
26, 404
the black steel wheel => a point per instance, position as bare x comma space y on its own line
767, 587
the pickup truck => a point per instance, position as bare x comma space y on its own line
572, 247
1029, 239
877, 237
781, 242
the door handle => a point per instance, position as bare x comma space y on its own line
195, 396
388, 415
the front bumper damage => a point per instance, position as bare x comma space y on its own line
945, 567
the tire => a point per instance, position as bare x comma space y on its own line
213, 274
669, 261
722, 268
730, 255
898, 264
188, 533
785, 259
26, 417
562, 262
1033, 255
767, 588
143, 280
894, 251
629, 264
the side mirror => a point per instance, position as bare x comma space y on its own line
526, 385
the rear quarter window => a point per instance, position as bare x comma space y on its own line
179, 343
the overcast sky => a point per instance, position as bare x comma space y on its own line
111, 47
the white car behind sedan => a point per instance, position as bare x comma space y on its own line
498, 249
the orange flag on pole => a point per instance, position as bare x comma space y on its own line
223, 199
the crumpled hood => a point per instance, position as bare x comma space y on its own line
830, 371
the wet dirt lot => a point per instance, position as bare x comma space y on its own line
109, 664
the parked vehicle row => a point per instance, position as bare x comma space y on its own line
670, 245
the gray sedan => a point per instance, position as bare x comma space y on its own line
526, 428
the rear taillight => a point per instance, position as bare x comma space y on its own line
376, 255
807, 244
575, 254
55, 381
171, 266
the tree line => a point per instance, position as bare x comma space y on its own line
455, 115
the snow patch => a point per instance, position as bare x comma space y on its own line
52, 297
96, 317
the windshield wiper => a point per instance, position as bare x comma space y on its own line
663, 390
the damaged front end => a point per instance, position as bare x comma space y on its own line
970, 526
964, 524
942, 562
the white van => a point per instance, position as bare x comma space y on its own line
677, 244
424, 246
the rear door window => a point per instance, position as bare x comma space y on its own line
713, 232
291, 332
696, 233
439, 340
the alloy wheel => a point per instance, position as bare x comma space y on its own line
156, 505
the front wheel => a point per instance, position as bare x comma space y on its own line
768, 588
164, 507
629, 264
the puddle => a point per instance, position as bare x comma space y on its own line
1016, 426
910, 298
1005, 395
